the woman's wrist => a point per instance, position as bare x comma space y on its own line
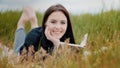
57, 44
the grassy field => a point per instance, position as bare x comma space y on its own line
103, 42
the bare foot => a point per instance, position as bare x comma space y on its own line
32, 16
23, 19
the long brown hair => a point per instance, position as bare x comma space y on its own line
68, 34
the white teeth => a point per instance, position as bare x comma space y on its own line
57, 32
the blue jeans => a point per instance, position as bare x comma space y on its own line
19, 39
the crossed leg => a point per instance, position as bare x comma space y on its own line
31, 16
27, 15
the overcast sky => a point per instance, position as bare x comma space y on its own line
73, 6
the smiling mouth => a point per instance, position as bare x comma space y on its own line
57, 32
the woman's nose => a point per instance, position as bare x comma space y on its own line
58, 25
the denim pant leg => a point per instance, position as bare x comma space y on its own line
19, 39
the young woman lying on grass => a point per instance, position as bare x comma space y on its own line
56, 27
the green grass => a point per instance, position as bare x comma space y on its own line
103, 30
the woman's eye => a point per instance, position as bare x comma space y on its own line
53, 22
63, 22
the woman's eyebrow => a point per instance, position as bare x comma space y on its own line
56, 20
53, 20
64, 20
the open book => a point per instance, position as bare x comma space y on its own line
82, 44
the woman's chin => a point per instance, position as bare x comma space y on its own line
57, 37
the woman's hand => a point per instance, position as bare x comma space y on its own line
55, 41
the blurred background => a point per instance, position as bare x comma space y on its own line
73, 6
99, 18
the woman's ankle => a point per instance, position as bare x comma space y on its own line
22, 21
32, 17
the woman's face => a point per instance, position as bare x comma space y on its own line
57, 23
